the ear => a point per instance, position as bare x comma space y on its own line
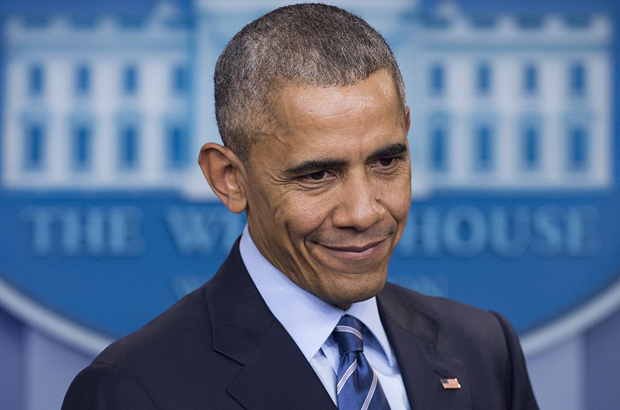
224, 172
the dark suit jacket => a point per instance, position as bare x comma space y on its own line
221, 348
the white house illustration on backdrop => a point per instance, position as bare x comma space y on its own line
498, 102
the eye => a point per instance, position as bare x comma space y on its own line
385, 162
317, 176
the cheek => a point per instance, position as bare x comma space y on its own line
303, 215
397, 199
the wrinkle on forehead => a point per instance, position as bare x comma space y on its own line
322, 102
312, 108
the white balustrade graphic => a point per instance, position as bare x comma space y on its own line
500, 103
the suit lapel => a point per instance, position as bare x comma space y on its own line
414, 338
278, 376
275, 374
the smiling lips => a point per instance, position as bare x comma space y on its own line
356, 251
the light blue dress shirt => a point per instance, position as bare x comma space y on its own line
310, 322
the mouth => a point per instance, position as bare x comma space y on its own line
355, 252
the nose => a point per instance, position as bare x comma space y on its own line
359, 206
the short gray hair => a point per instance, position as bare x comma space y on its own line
303, 44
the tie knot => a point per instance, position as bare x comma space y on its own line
349, 335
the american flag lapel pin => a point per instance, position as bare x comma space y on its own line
449, 384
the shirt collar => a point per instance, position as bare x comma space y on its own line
309, 320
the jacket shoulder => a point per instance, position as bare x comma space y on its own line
181, 328
456, 327
170, 361
446, 312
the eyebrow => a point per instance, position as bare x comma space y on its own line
313, 165
391, 150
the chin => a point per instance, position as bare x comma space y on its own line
348, 295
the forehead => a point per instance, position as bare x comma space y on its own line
377, 90
314, 119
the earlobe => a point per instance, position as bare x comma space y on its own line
223, 171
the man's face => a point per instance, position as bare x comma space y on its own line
329, 192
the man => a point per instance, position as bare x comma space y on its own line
311, 108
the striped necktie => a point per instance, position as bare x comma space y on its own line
358, 387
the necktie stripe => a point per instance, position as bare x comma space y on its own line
349, 329
371, 392
346, 376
